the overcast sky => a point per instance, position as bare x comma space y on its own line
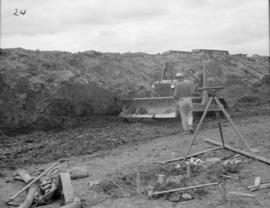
240, 26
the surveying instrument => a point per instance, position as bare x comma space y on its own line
212, 92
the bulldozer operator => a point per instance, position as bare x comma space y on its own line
183, 89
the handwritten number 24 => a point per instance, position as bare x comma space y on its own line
17, 13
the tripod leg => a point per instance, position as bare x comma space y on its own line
220, 128
237, 131
198, 127
221, 134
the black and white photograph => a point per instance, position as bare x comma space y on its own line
134, 103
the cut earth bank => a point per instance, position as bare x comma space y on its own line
51, 89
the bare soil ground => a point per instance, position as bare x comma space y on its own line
110, 148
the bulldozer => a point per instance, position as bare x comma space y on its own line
162, 103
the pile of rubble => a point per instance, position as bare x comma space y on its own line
186, 180
53, 185
182, 181
190, 183
174, 182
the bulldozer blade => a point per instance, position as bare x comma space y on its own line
160, 107
154, 107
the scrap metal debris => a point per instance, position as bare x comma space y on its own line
51, 185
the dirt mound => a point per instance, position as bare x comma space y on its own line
42, 90
257, 95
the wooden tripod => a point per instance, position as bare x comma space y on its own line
212, 95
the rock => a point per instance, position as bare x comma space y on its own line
174, 179
75, 204
78, 172
161, 179
93, 183
249, 100
195, 161
174, 197
177, 166
186, 196
212, 160
149, 190
233, 164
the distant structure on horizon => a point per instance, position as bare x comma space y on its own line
240, 55
210, 51
174, 51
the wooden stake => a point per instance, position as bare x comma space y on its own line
223, 192
138, 182
257, 181
189, 170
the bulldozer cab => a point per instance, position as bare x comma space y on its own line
165, 86
167, 72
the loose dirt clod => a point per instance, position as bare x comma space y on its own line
78, 172
186, 196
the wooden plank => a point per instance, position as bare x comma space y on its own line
30, 197
261, 186
242, 194
67, 188
256, 157
24, 175
185, 188
189, 156
223, 191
